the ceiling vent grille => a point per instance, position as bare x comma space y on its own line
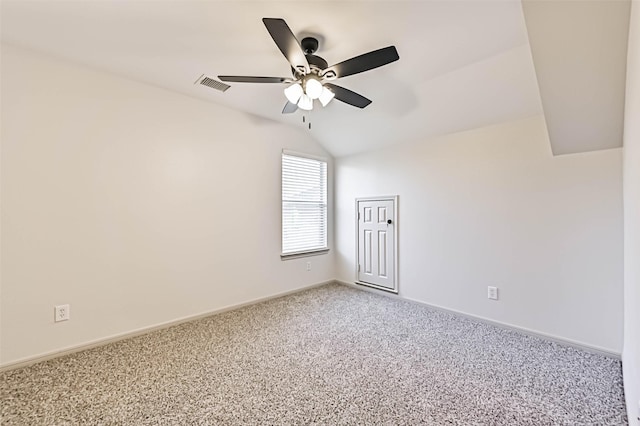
214, 84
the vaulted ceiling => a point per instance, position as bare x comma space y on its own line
463, 64
580, 54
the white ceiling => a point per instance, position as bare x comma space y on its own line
580, 53
463, 64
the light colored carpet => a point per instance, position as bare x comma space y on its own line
329, 355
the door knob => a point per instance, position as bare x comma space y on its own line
389, 221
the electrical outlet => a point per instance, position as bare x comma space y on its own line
492, 293
62, 313
308, 266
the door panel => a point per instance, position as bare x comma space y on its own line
376, 243
382, 254
367, 214
368, 249
382, 214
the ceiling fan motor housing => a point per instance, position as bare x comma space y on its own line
316, 64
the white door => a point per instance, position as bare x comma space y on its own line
377, 243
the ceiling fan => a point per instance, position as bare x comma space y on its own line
311, 74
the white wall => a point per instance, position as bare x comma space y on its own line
134, 204
494, 207
631, 350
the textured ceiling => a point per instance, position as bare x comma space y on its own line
463, 64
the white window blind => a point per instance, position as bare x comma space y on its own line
304, 204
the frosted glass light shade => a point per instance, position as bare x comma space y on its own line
293, 93
305, 103
313, 88
326, 96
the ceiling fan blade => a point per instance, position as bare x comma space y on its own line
289, 108
365, 62
287, 43
249, 79
347, 96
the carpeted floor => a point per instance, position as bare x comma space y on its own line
329, 355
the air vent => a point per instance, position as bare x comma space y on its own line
214, 84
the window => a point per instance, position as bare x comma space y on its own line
304, 204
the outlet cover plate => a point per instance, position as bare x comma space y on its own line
62, 313
492, 293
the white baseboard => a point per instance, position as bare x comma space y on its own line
24, 362
545, 336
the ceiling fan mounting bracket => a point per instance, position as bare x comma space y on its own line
309, 45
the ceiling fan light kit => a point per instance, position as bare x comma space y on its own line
313, 87
305, 102
311, 73
293, 93
326, 96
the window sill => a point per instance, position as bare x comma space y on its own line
297, 255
